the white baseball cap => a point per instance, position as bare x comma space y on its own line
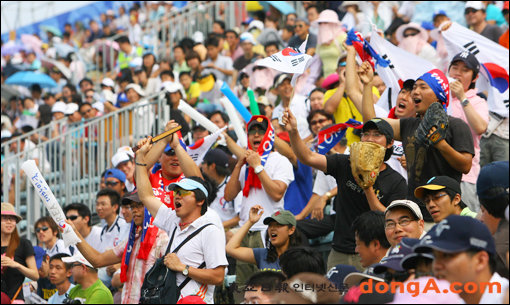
77, 258
71, 108
119, 157
108, 82
137, 88
59, 107
411, 205
477, 5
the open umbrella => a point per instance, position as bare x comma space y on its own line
32, 42
49, 63
11, 48
282, 6
29, 78
63, 49
52, 29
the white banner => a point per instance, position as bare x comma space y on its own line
493, 60
54, 209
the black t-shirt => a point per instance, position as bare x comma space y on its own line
45, 289
424, 163
12, 279
351, 200
241, 62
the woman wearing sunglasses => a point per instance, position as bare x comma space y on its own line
18, 260
280, 236
46, 231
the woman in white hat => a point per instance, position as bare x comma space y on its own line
329, 41
413, 38
18, 260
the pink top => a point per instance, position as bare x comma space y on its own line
455, 109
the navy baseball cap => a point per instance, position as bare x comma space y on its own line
337, 274
409, 261
217, 156
115, 173
493, 180
469, 59
381, 125
395, 256
457, 234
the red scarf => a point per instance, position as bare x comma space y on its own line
252, 179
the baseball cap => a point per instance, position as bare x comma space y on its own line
438, 183
191, 299
39, 254
108, 82
70, 108
394, 258
217, 156
381, 125
477, 5
493, 180
302, 19
355, 278
278, 80
136, 87
469, 59
189, 185
410, 260
115, 173
77, 258
337, 274
133, 196
282, 217
439, 13
258, 120
411, 205
456, 234
119, 157
247, 37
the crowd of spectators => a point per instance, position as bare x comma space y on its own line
435, 212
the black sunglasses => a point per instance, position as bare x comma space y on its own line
398, 276
112, 183
470, 11
72, 217
41, 229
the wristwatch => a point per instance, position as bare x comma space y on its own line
258, 169
185, 272
465, 102
329, 195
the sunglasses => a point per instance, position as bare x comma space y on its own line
89, 96
38, 230
86, 111
399, 276
315, 122
182, 193
470, 11
410, 34
112, 183
253, 132
72, 217
171, 152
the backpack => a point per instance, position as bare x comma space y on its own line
160, 283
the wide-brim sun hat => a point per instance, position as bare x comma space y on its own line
327, 16
8, 209
401, 29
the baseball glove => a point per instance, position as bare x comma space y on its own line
366, 159
434, 117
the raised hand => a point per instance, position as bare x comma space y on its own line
256, 212
289, 121
365, 72
144, 146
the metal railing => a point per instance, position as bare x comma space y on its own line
72, 164
163, 34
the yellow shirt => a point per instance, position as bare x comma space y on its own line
193, 90
345, 111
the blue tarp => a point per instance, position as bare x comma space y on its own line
83, 14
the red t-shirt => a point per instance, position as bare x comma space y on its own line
159, 187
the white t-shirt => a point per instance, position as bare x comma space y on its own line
277, 168
58, 299
111, 236
225, 209
94, 237
300, 109
495, 297
58, 247
222, 62
206, 246
323, 184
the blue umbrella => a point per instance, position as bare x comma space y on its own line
282, 6
52, 29
29, 78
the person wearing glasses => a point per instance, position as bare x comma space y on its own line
475, 14
88, 112
355, 200
442, 198
115, 179
89, 289
47, 233
81, 217
18, 259
403, 218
